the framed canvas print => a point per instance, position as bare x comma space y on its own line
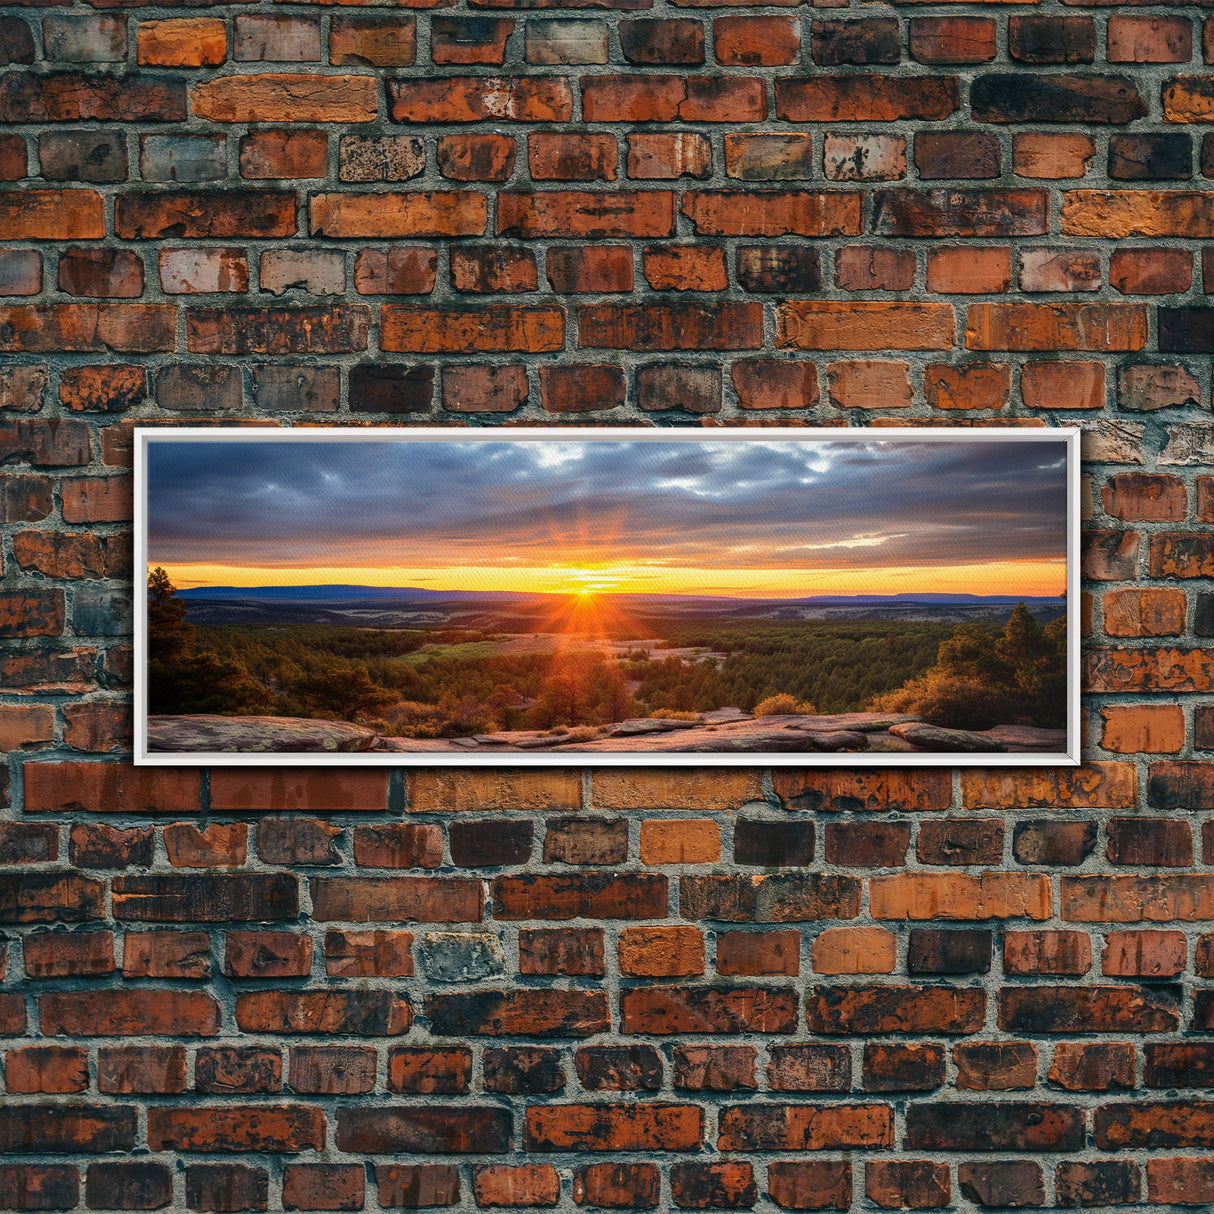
631, 596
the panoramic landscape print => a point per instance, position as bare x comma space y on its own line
499, 595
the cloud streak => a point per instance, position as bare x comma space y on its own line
737, 504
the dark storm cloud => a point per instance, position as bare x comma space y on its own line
726, 503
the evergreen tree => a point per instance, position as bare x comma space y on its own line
170, 634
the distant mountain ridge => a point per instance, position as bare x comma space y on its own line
336, 591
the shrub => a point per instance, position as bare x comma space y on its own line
782, 705
953, 701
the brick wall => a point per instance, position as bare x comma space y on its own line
822, 989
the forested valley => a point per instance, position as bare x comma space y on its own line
451, 682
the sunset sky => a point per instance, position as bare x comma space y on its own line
739, 517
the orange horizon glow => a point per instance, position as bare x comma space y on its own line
1030, 578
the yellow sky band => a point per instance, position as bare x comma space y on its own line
1029, 578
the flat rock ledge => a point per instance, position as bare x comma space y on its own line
726, 731
257, 735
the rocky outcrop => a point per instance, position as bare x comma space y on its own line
933, 737
725, 731
256, 735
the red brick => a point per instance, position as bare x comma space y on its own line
493, 268
956, 154
242, 789
724, 1185
865, 325
753, 954
228, 1069
952, 39
152, 1070
614, 1127
575, 951
109, 788
865, 97
514, 1013
678, 326
182, 42
874, 268
1136, 612
166, 954
97, 845
661, 952
502, 1185
105, 327
480, 98
97, 499
408, 1129
810, 1185
69, 954
868, 384
219, 845
284, 154
557, 156
995, 1066
619, 1186
863, 791
665, 386
590, 270
1042, 270
1151, 271
399, 270
101, 273
429, 1071
1143, 728
656, 98
772, 213
809, 1068
1136, 954
502, 327
20, 274
226, 1187
367, 1013
1063, 385
968, 271
318, 1186
381, 42
414, 1185
218, 1128
469, 40
49, 1069
581, 388
775, 385
1142, 497
804, 1127
685, 268
566, 213
1149, 39
484, 389
900, 1184
1179, 1181
756, 41
666, 156
364, 954
972, 386
126, 1013
656, 42
29, 842
204, 214
266, 954
476, 157
51, 215
1120, 213
894, 1009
